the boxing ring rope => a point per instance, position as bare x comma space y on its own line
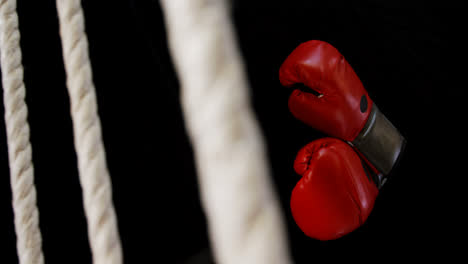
94, 176
244, 218
28, 235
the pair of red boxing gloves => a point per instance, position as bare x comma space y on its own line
341, 174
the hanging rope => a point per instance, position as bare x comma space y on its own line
94, 176
244, 219
28, 235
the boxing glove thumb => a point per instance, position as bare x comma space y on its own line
336, 192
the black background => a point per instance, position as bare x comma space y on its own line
398, 52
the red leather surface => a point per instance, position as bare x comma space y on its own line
334, 195
321, 67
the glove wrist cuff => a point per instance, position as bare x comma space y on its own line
380, 142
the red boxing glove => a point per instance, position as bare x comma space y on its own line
336, 103
336, 193
343, 106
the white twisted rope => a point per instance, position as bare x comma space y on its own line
28, 235
244, 219
94, 176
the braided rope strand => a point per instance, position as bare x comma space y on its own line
94, 176
28, 235
244, 218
